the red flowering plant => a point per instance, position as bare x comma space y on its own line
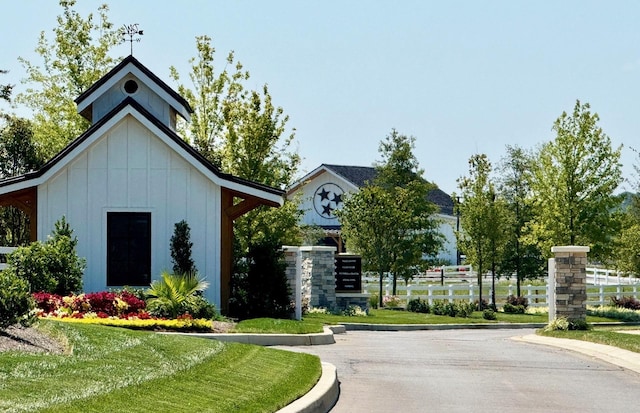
122, 304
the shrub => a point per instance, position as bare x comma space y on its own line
391, 301
52, 266
558, 324
418, 305
170, 296
353, 311
259, 285
513, 309
619, 313
373, 301
15, 301
463, 309
626, 302
181, 249
518, 301
489, 314
439, 307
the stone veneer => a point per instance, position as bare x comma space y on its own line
318, 278
571, 282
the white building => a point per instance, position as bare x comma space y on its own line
125, 182
322, 191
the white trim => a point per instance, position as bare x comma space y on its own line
130, 68
570, 248
102, 131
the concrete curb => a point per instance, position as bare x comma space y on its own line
315, 339
322, 397
416, 327
614, 355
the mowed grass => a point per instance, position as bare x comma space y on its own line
279, 326
382, 316
608, 336
111, 369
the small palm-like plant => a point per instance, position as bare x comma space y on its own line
171, 294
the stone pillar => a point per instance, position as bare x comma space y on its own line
571, 282
310, 271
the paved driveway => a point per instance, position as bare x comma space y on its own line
471, 371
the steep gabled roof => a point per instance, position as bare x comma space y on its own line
130, 107
359, 176
86, 99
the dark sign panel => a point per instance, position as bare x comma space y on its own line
348, 273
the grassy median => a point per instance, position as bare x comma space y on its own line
111, 369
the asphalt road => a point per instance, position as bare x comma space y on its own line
471, 371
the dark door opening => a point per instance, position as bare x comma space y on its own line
128, 248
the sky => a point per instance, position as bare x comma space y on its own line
461, 77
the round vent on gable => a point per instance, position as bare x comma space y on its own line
131, 86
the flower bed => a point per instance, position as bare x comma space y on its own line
120, 309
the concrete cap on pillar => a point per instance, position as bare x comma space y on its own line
570, 248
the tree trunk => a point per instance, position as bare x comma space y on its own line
395, 283
381, 274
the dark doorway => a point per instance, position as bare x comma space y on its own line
128, 248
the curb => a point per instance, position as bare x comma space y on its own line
416, 327
326, 337
610, 354
322, 397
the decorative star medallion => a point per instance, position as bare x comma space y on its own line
326, 199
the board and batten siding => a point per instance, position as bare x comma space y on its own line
131, 170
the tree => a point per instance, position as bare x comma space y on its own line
399, 174
627, 251
391, 222
181, 244
367, 219
484, 220
262, 289
524, 260
18, 155
244, 134
5, 90
574, 177
75, 59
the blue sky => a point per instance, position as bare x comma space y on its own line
462, 77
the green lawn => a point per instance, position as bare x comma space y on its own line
382, 316
603, 335
111, 369
272, 325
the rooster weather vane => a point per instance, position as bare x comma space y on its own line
131, 31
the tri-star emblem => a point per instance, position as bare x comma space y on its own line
326, 199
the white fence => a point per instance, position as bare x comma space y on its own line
460, 283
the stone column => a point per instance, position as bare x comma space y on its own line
571, 282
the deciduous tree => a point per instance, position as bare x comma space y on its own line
391, 222
76, 57
484, 220
525, 260
573, 182
245, 134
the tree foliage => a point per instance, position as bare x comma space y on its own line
484, 219
391, 222
18, 155
244, 134
525, 260
5, 90
574, 177
180, 246
76, 57
627, 251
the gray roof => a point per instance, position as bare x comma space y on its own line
361, 175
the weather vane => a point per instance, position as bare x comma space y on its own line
131, 31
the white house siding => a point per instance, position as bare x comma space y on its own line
311, 217
129, 169
150, 100
447, 228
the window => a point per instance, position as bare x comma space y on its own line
128, 248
